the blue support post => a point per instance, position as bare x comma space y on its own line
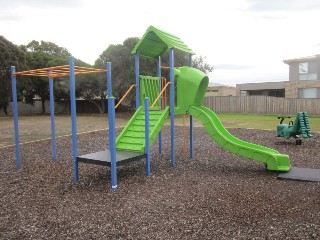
159, 75
172, 105
15, 117
53, 127
73, 120
109, 83
137, 71
191, 123
112, 130
147, 135
112, 143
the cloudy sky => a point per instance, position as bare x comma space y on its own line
245, 40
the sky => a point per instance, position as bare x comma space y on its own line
245, 40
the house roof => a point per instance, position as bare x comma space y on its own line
155, 42
301, 59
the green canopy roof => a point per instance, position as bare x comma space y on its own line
155, 42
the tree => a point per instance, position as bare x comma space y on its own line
201, 64
41, 55
10, 55
123, 70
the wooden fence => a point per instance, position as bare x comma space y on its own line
262, 105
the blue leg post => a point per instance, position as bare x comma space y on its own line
53, 127
172, 104
159, 75
15, 117
112, 130
137, 70
147, 136
112, 143
73, 121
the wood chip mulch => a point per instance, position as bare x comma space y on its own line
217, 195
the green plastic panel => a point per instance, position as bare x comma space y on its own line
150, 88
192, 85
272, 158
132, 137
155, 42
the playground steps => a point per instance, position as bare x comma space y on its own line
304, 124
132, 137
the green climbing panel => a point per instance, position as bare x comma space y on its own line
132, 137
150, 87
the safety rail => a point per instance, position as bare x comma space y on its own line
163, 89
124, 96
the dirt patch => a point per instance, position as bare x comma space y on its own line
217, 195
37, 127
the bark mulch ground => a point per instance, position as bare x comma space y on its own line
217, 195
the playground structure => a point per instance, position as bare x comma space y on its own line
300, 127
137, 137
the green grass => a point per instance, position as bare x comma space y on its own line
268, 122
38, 126
264, 122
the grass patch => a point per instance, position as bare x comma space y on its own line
255, 121
37, 127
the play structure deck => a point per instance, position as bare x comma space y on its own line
103, 157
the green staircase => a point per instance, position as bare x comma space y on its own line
304, 124
132, 137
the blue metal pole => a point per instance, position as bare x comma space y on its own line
137, 71
112, 130
53, 127
172, 104
191, 123
109, 83
112, 143
15, 117
73, 121
147, 135
159, 75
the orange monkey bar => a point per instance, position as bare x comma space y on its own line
165, 67
58, 71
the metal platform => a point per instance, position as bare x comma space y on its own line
103, 157
301, 174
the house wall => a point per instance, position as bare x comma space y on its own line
292, 87
313, 67
221, 91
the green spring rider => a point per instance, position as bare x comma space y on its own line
297, 129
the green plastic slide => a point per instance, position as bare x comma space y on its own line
272, 158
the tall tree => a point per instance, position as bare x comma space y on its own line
123, 67
10, 55
40, 55
200, 63
119, 56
